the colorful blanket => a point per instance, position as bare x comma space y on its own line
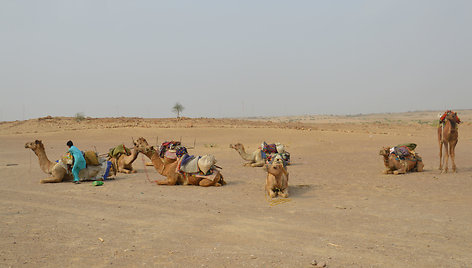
165, 146
269, 148
441, 119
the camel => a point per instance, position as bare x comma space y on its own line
255, 158
142, 143
398, 166
124, 163
59, 170
448, 135
169, 170
277, 178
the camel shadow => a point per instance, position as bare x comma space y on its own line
300, 190
233, 182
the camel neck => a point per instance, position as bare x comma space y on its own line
453, 124
134, 154
44, 162
154, 157
386, 160
243, 154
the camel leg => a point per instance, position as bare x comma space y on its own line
51, 180
419, 166
221, 179
165, 182
440, 150
170, 180
440, 156
130, 170
206, 183
271, 193
402, 169
258, 164
124, 171
452, 149
387, 171
284, 193
446, 156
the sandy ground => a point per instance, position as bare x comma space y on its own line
342, 210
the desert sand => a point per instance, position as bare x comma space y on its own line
341, 211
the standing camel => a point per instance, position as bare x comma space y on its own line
448, 136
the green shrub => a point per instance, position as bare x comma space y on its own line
79, 117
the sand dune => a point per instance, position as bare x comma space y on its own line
341, 209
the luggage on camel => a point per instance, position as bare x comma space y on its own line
273, 148
91, 158
405, 150
269, 151
197, 165
118, 151
411, 146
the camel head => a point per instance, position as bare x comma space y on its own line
385, 151
450, 115
276, 168
35, 145
142, 145
237, 146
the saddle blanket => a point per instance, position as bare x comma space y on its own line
119, 150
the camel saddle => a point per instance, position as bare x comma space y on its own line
403, 151
118, 151
200, 165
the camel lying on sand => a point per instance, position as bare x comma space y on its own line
448, 135
255, 158
277, 178
168, 169
58, 170
397, 166
124, 163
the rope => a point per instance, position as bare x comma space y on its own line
29, 171
278, 201
145, 170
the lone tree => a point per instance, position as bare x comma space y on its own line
178, 108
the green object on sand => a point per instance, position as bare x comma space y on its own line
412, 146
97, 183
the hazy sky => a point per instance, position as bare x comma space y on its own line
233, 58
